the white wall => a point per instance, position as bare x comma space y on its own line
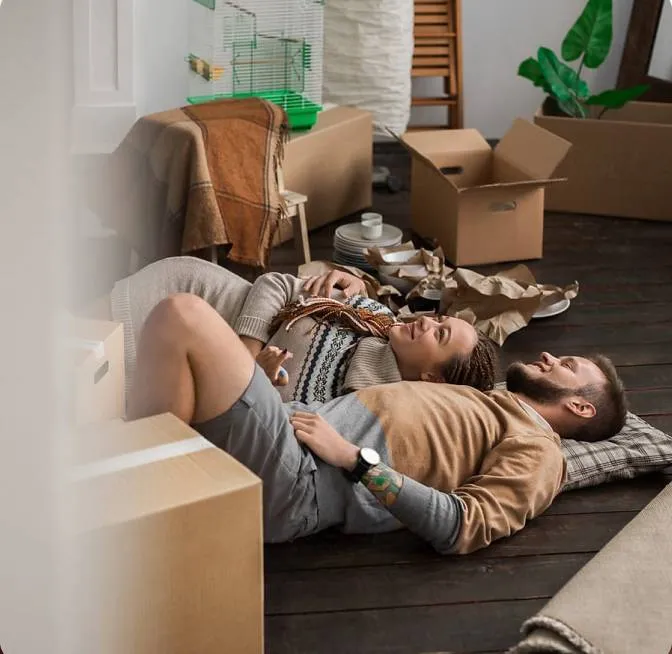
661, 57
497, 36
161, 50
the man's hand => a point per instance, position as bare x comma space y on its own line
324, 441
271, 359
323, 285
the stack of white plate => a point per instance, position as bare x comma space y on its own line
349, 244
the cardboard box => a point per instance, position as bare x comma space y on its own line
332, 164
168, 537
97, 351
483, 206
619, 165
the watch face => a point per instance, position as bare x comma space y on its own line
370, 456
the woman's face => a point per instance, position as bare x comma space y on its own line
423, 347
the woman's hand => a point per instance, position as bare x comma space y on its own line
323, 440
323, 285
271, 359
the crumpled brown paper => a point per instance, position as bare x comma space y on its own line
499, 305
420, 272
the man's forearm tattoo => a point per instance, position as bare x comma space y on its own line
384, 483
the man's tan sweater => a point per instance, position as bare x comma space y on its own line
477, 466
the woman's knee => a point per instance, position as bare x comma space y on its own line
178, 311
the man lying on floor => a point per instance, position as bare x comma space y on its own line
458, 467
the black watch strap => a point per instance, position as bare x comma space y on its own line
361, 468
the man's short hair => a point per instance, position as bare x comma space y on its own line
609, 401
478, 369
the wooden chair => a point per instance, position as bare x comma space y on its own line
438, 53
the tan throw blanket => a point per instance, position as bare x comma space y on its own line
621, 601
186, 179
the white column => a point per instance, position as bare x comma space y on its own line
105, 106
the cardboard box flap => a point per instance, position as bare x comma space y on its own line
534, 151
132, 469
526, 185
437, 142
461, 157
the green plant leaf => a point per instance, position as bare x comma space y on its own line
591, 35
617, 98
571, 78
530, 69
564, 83
573, 108
549, 64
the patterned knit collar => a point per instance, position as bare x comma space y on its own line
373, 363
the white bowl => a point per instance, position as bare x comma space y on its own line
413, 270
399, 257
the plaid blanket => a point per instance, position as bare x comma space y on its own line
186, 179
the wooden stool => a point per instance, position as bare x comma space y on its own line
295, 204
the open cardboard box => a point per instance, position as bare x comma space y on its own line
619, 165
167, 543
483, 205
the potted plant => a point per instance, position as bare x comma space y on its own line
588, 42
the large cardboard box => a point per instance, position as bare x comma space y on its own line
332, 164
97, 356
619, 165
168, 543
483, 206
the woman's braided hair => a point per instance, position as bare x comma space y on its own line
322, 309
478, 369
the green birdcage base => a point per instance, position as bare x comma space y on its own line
301, 113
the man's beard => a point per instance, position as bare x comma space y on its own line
519, 380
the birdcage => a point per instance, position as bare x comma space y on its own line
268, 49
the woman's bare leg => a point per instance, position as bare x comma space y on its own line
190, 363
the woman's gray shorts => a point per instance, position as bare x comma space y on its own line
256, 431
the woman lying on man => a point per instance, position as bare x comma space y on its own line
312, 346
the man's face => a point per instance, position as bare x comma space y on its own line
550, 379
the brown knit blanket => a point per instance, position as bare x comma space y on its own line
202, 175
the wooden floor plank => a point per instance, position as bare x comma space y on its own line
651, 402
548, 534
627, 354
662, 422
450, 581
632, 495
623, 315
462, 628
655, 376
536, 335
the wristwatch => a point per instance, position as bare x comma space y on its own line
366, 459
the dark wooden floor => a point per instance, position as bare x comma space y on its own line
390, 593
